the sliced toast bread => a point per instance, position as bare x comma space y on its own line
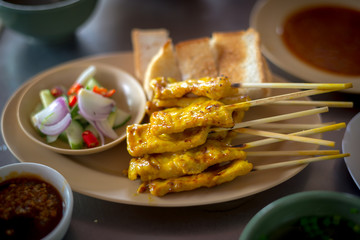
196, 59
146, 43
233, 54
239, 57
163, 64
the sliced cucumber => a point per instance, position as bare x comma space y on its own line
74, 135
92, 83
51, 139
120, 118
92, 129
46, 97
63, 137
74, 111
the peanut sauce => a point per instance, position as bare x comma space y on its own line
30, 208
326, 37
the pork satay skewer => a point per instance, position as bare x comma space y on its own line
198, 159
192, 161
186, 101
140, 139
216, 88
211, 113
219, 176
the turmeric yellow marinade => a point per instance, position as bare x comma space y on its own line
213, 88
192, 161
141, 141
205, 179
161, 104
209, 113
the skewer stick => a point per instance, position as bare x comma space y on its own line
316, 103
300, 133
290, 125
319, 86
274, 119
292, 153
286, 137
298, 162
272, 99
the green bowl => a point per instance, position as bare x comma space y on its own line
293, 207
49, 22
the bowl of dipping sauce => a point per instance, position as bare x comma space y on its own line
36, 202
317, 41
46, 20
307, 215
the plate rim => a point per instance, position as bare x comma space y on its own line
345, 147
146, 200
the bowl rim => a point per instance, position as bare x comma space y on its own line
288, 200
85, 151
40, 7
66, 193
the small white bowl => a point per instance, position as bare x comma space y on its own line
129, 97
52, 177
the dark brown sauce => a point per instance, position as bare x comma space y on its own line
29, 208
326, 37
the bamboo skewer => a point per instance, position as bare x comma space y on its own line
286, 137
298, 162
291, 153
300, 133
272, 99
274, 119
319, 86
302, 126
316, 103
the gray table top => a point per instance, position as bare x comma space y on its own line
108, 31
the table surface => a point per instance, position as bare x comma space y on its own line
108, 31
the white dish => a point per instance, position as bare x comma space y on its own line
100, 175
55, 179
267, 18
350, 144
129, 96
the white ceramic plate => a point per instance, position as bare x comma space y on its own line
267, 18
129, 96
350, 144
100, 175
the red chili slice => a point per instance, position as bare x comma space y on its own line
90, 139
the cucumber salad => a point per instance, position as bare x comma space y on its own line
82, 116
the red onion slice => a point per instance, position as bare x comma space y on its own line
104, 127
53, 113
56, 128
93, 106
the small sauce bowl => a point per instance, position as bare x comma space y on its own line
48, 177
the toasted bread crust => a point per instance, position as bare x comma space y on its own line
146, 43
163, 64
196, 58
236, 55
240, 59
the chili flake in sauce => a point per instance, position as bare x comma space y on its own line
30, 208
